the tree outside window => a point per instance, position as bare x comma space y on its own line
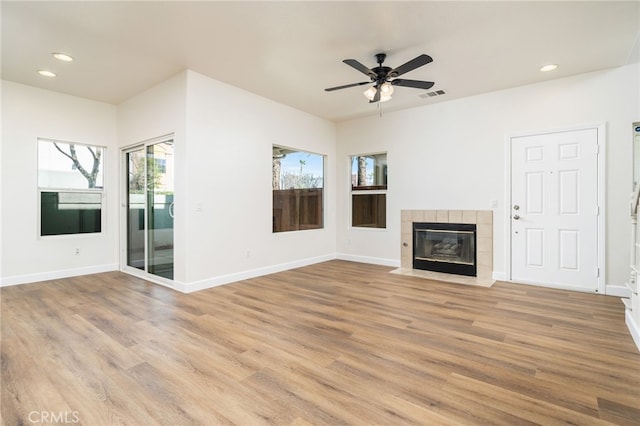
70, 183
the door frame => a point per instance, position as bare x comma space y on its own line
123, 185
601, 131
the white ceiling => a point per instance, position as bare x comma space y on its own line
290, 51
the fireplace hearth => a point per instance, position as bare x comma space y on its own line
445, 247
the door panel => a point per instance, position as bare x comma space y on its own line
554, 225
569, 249
535, 193
150, 208
535, 247
569, 192
160, 209
136, 211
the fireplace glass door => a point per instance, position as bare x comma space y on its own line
449, 248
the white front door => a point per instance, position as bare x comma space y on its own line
554, 209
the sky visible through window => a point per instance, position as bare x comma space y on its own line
306, 162
57, 170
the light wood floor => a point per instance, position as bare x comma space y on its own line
333, 343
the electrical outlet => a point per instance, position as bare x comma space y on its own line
77, 251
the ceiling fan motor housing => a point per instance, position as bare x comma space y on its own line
382, 74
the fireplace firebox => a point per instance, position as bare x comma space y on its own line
445, 247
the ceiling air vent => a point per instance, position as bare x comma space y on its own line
432, 94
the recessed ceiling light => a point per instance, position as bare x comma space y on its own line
46, 73
62, 57
548, 68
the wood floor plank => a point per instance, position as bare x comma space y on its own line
327, 344
529, 409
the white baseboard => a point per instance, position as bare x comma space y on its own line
634, 328
617, 290
554, 285
366, 259
55, 275
197, 285
245, 275
499, 276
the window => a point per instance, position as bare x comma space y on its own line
161, 165
70, 184
297, 181
369, 190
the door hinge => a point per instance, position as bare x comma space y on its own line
597, 272
597, 149
597, 210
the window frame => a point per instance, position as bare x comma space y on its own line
323, 198
367, 190
58, 189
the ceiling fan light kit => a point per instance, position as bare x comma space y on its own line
386, 90
384, 78
370, 93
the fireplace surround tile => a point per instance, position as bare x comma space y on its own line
455, 216
469, 216
485, 216
417, 215
484, 240
484, 230
429, 215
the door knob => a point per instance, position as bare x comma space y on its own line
516, 217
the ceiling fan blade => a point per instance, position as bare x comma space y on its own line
376, 98
426, 85
331, 89
411, 65
363, 69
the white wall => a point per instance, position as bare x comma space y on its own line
451, 155
223, 139
157, 112
230, 137
28, 114
448, 155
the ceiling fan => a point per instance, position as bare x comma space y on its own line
384, 78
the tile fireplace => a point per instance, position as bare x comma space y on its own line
483, 244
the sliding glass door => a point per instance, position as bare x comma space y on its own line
149, 217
